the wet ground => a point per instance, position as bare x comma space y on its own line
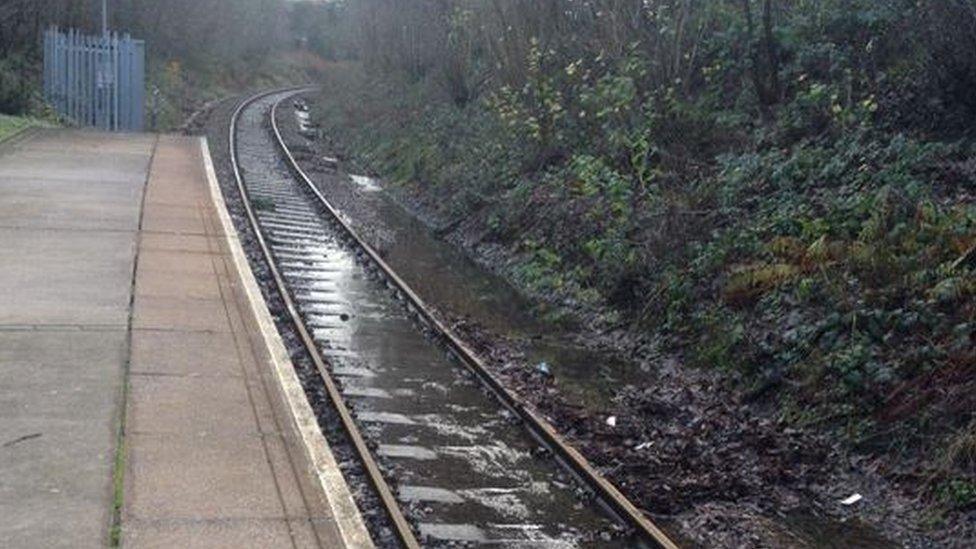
444, 275
215, 123
732, 488
465, 471
448, 278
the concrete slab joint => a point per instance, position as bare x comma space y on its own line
220, 448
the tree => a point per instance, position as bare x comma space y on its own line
764, 56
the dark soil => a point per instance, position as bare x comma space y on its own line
698, 455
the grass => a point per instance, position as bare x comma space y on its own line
118, 489
11, 125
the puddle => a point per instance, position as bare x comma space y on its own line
810, 531
585, 376
446, 277
366, 183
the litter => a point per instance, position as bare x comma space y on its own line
852, 499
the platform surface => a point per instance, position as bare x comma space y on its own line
120, 303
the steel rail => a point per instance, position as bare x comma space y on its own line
401, 526
607, 494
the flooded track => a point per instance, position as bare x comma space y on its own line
464, 467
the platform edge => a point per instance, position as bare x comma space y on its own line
334, 490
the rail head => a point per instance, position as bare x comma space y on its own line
607, 493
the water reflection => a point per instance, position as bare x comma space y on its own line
447, 278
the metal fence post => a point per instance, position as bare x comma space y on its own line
115, 81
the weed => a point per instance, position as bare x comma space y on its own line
957, 492
961, 452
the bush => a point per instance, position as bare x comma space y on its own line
17, 90
793, 207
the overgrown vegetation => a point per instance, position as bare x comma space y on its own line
780, 190
11, 125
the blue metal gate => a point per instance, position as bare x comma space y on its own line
95, 81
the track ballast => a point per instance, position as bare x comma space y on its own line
428, 418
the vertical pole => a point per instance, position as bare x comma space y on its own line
66, 77
71, 75
87, 81
63, 77
125, 78
104, 17
76, 77
73, 82
47, 67
80, 78
58, 73
122, 85
115, 81
97, 100
102, 85
55, 70
102, 96
76, 81
139, 90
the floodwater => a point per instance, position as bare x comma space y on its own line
808, 531
463, 469
448, 279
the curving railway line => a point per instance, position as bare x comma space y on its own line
453, 457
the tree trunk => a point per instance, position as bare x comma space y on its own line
765, 60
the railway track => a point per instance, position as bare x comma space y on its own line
421, 410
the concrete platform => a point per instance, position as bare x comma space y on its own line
128, 314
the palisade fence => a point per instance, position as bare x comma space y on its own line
95, 81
